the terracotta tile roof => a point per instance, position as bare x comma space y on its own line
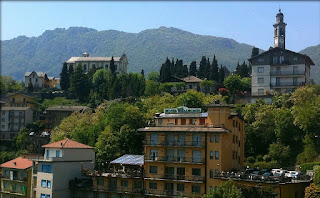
67, 143
18, 163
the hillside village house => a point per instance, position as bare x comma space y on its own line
87, 62
40, 80
21, 100
278, 69
55, 114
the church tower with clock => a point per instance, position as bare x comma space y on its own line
280, 31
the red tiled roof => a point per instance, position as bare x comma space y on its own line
66, 143
18, 163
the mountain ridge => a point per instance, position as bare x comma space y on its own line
145, 50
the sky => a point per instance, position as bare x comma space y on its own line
249, 22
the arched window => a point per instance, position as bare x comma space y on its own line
84, 67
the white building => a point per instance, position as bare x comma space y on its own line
278, 69
38, 79
63, 161
88, 62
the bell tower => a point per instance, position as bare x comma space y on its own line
280, 31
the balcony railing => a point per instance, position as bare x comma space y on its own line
12, 191
176, 143
119, 189
287, 84
177, 177
22, 179
286, 73
169, 193
123, 174
195, 160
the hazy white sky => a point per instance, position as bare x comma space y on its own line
247, 22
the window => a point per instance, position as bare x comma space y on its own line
217, 138
211, 138
48, 196
36, 79
5, 185
154, 138
275, 60
260, 80
84, 67
44, 168
22, 174
211, 154
260, 91
29, 79
176, 121
295, 58
202, 121
48, 154
137, 184
153, 154
196, 189
260, 69
216, 155
183, 121
196, 172
196, 156
180, 187
100, 182
169, 171
48, 184
124, 183
57, 153
196, 140
260, 60
281, 59
43, 195
211, 173
153, 169
153, 185
43, 183
49, 168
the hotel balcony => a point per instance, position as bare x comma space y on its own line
171, 177
176, 143
175, 159
118, 189
287, 73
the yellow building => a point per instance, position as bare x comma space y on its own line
186, 148
21, 100
16, 178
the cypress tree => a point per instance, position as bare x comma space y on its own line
172, 68
184, 71
142, 72
79, 84
165, 73
214, 71
193, 68
64, 77
208, 69
112, 66
221, 74
202, 68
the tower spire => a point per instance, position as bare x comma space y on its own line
279, 30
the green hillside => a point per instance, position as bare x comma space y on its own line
145, 50
314, 53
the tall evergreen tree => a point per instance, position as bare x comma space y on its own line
208, 69
202, 68
70, 72
112, 66
172, 68
213, 73
221, 74
185, 71
165, 73
255, 52
64, 77
79, 84
142, 72
116, 87
193, 68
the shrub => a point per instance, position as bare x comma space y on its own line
308, 166
316, 175
251, 159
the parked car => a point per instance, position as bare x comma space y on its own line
256, 175
266, 176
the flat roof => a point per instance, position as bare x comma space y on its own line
15, 108
137, 160
66, 108
183, 115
